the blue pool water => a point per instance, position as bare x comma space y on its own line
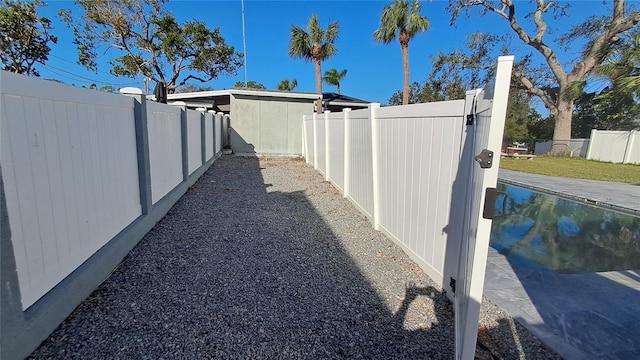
563, 235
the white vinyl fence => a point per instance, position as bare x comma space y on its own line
411, 169
577, 147
64, 152
165, 148
82, 171
615, 146
418, 157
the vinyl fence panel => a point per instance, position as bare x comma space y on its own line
335, 124
70, 175
219, 131
165, 148
209, 131
320, 144
309, 139
615, 146
194, 139
578, 147
422, 145
360, 160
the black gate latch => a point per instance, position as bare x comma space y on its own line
490, 196
470, 119
485, 158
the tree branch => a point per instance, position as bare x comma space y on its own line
619, 23
533, 89
184, 81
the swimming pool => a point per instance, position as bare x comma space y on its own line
564, 235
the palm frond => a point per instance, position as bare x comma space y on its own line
300, 46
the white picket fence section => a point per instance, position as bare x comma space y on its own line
615, 146
71, 173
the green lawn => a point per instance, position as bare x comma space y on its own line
575, 168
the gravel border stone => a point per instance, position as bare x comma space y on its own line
262, 259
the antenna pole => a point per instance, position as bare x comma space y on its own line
244, 45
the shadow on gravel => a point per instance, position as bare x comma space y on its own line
239, 269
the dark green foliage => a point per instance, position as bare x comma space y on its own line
287, 85
24, 36
610, 110
249, 85
541, 128
520, 116
193, 88
151, 42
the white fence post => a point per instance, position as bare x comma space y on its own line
185, 144
628, 149
304, 139
315, 141
593, 132
226, 133
375, 167
142, 144
327, 153
347, 150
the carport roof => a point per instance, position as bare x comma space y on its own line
204, 95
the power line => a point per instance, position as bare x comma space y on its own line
50, 67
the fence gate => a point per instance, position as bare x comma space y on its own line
484, 129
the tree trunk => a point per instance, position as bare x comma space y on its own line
318, 84
562, 131
405, 66
338, 88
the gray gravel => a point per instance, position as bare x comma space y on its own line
265, 260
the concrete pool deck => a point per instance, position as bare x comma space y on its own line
617, 196
580, 316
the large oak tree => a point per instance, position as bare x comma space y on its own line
150, 42
558, 90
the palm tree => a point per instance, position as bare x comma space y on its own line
288, 85
316, 45
404, 20
333, 77
622, 66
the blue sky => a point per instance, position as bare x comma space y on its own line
374, 69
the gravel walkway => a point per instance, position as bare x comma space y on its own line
265, 260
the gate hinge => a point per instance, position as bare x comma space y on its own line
452, 285
485, 158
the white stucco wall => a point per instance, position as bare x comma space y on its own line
267, 125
